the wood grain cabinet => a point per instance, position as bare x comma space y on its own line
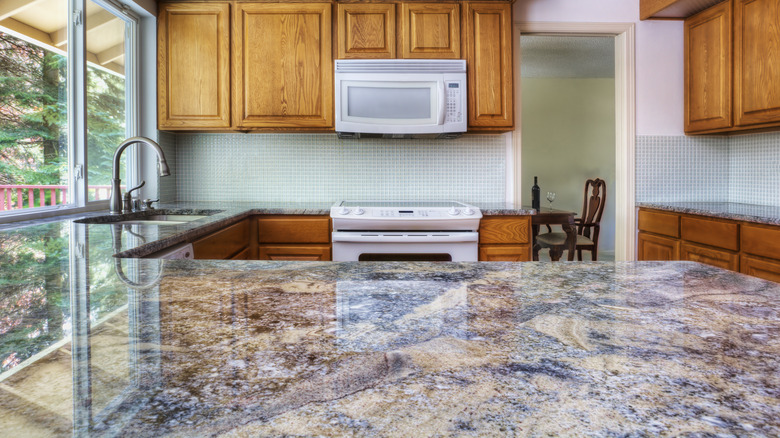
732, 67
193, 66
232, 242
365, 30
505, 239
488, 44
745, 247
283, 65
430, 30
291, 237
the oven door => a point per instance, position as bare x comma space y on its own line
456, 246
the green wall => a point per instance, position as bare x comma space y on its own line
568, 136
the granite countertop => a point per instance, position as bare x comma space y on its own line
96, 345
761, 214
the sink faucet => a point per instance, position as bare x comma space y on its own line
115, 205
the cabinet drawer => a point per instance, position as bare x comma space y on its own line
293, 229
504, 253
667, 224
294, 252
710, 232
763, 241
223, 244
766, 269
710, 256
505, 229
652, 247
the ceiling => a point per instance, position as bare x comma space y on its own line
555, 56
44, 21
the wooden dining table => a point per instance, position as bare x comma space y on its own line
549, 216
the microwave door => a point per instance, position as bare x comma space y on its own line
442, 103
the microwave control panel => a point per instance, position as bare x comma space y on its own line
454, 111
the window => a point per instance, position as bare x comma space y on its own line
60, 122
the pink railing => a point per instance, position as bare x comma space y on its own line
15, 197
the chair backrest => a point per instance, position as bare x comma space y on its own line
593, 204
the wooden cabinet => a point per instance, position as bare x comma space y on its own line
708, 69
283, 65
752, 249
365, 30
290, 237
193, 66
672, 9
488, 45
757, 62
505, 238
735, 42
227, 243
430, 30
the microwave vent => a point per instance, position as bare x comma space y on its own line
400, 66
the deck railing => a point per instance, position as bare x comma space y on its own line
16, 197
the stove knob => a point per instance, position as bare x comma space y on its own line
453, 211
468, 211
344, 211
359, 211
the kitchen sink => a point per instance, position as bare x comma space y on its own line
151, 217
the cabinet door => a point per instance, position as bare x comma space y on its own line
504, 253
430, 30
711, 256
294, 252
488, 43
761, 268
283, 65
224, 244
708, 69
365, 30
756, 62
652, 247
505, 229
193, 66
293, 229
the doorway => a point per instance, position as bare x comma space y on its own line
568, 123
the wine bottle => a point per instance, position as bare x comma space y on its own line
536, 196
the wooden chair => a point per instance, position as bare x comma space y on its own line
592, 209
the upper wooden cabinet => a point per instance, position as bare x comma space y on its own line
708, 69
430, 30
193, 66
671, 9
757, 62
737, 42
283, 65
488, 43
365, 30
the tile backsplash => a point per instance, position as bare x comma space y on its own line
743, 169
322, 168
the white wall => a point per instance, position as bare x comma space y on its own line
659, 55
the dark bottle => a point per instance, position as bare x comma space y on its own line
536, 196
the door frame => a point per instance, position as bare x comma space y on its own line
625, 120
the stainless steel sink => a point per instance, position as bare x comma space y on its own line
156, 217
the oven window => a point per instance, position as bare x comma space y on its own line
368, 257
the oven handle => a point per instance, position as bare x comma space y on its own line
407, 237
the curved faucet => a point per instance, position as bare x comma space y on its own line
115, 205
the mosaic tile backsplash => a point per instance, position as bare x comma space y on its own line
320, 167
742, 169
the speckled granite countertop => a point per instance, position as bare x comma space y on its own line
761, 214
96, 345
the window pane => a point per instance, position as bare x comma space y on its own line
106, 106
33, 113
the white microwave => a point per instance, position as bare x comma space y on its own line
400, 97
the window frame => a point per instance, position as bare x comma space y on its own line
78, 175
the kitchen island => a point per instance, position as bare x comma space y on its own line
257, 348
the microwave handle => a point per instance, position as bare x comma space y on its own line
442, 102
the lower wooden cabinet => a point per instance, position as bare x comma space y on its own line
749, 248
652, 247
505, 239
711, 256
224, 244
317, 253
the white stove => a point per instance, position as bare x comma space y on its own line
405, 230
